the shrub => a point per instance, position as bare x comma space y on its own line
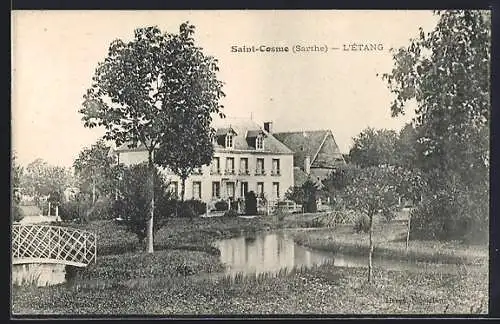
362, 224
250, 203
186, 209
69, 210
16, 212
452, 214
221, 205
198, 206
231, 213
102, 209
136, 199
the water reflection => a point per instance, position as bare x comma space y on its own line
38, 274
272, 252
264, 253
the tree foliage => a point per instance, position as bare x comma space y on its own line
96, 170
41, 179
306, 195
134, 200
195, 94
157, 90
446, 71
16, 173
373, 147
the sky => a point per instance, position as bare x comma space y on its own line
55, 53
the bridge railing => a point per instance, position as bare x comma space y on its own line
54, 244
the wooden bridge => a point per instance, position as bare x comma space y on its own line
36, 243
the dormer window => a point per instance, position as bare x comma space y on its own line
229, 141
259, 142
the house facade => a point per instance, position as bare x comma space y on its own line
246, 158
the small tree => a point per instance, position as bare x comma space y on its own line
134, 200
295, 194
373, 190
95, 167
338, 180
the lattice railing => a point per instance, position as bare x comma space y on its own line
53, 244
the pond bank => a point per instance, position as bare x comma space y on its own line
390, 243
125, 280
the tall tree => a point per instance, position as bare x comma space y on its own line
447, 72
373, 147
407, 151
140, 93
195, 93
95, 169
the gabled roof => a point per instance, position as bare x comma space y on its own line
310, 143
244, 131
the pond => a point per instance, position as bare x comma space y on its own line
270, 252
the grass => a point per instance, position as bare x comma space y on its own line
184, 276
320, 290
389, 241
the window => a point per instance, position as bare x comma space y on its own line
244, 189
259, 142
229, 141
260, 189
276, 167
197, 171
215, 165
244, 166
276, 190
196, 190
172, 188
230, 189
260, 166
230, 165
215, 189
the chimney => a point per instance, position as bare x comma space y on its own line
268, 127
307, 164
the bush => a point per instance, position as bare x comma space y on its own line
362, 224
69, 210
452, 214
198, 206
136, 199
231, 213
250, 203
102, 209
16, 212
221, 205
186, 209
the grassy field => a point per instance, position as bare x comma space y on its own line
175, 279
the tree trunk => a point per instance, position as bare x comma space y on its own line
370, 254
408, 232
183, 188
150, 248
93, 191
